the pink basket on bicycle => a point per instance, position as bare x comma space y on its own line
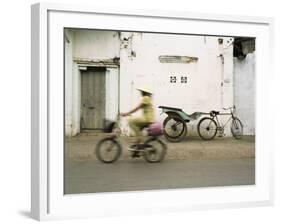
155, 129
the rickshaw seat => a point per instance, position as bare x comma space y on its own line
170, 108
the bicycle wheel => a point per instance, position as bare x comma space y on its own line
108, 150
155, 150
174, 128
236, 128
207, 128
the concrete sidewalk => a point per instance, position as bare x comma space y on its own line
82, 147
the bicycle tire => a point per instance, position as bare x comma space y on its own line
200, 128
114, 145
152, 150
236, 125
182, 133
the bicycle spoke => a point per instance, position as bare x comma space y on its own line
155, 150
236, 128
207, 128
174, 128
108, 150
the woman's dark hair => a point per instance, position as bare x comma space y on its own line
145, 93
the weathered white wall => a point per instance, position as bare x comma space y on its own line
76, 99
91, 44
88, 45
112, 93
209, 80
68, 81
203, 90
244, 92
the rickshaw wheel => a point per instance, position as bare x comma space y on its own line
175, 128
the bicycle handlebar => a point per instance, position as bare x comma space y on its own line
228, 108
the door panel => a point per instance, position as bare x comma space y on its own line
92, 98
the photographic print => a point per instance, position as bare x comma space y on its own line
157, 111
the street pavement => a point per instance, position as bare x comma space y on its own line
134, 175
193, 163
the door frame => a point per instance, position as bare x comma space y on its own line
110, 70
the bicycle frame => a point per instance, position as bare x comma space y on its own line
116, 133
146, 149
215, 117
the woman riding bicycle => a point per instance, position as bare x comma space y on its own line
109, 149
138, 123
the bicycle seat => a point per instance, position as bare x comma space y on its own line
214, 113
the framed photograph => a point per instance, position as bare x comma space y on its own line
148, 111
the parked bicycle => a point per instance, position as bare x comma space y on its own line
109, 149
209, 126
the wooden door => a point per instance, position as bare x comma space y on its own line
93, 98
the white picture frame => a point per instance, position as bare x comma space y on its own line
48, 201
